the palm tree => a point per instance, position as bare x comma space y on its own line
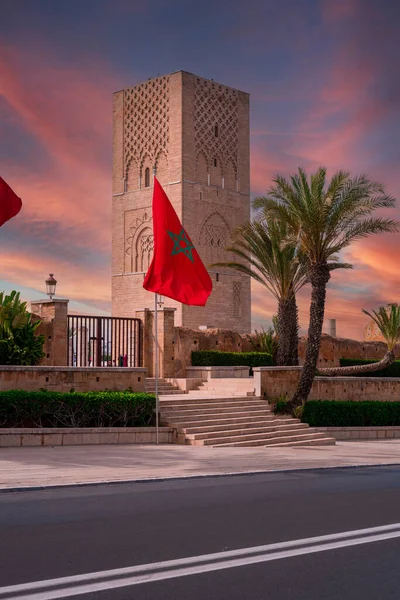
388, 321
321, 221
258, 245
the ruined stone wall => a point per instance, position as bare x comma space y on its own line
275, 382
332, 349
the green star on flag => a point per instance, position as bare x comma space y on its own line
182, 244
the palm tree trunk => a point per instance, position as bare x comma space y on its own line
386, 361
319, 276
288, 332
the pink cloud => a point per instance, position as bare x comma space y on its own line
75, 281
68, 111
338, 10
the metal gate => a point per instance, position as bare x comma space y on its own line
103, 342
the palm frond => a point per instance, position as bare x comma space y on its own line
387, 319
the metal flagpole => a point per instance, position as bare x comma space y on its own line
156, 365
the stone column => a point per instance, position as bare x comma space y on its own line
54, 313
165, 333
146, 339
166, 321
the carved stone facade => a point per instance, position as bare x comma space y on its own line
195, 134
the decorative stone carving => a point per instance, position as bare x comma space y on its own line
214, 232
237, 299
216, 121
139, 245
146, 122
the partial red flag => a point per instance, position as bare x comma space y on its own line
10, 203
176, 270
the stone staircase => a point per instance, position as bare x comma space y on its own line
226, 413
165, 388
227, 386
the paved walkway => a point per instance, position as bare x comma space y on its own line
36, 467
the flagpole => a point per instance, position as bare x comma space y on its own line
156, 365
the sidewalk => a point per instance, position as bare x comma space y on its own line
42, 467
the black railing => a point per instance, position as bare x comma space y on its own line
103, 341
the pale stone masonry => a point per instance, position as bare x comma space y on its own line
195, 134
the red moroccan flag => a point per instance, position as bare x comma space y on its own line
176, 270
10, 204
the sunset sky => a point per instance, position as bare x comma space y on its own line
324, 80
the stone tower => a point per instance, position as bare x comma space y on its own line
195, 134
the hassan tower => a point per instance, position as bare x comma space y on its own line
192, 133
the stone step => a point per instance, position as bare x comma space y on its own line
162, 387
276, 440
229, 380
215, 398
208, 387
220, 395
198, 423
248, 431
167, 406
327, 441
198, 414
262, 436
165, 392
229, 424
227, 392
210, 417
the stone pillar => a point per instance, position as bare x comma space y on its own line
54, 313
146, 339
166, 322
165, 333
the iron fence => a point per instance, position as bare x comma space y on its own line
103, 341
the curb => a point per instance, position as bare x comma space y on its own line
38, 488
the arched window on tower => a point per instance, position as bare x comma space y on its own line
147, 177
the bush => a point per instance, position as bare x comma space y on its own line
19, 408
392, 371
265, 341
19, 342
214, 358
321, 413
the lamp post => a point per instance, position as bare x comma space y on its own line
51, 286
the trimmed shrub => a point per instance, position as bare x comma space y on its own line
392, 371
215, 358
321, 413
19, 408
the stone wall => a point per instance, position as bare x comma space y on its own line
74, 436
272, 382
332, 349
188, 340
81, 379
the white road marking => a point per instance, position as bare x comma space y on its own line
86, 583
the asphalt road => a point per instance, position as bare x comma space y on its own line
61, 533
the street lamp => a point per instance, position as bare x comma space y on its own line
51, 286
160, 300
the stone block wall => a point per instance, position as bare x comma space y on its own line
272, 382
63, 379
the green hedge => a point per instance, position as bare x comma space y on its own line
392, 371
19, 408
321, 413
214, 358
